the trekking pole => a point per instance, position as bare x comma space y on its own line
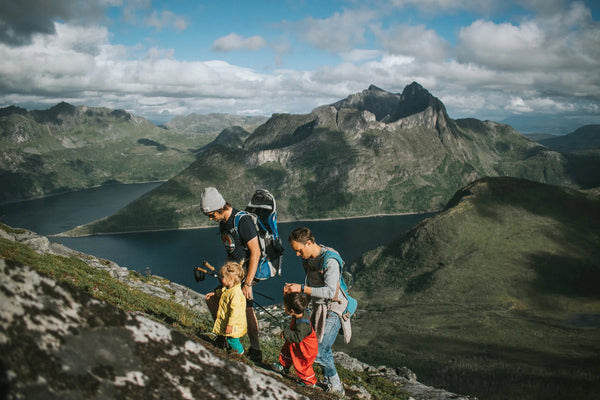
199, 273
263, 295
264, 309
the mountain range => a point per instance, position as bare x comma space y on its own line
374, 152
66, 148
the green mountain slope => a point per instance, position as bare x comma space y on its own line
374, 152
581, 149
67, 148
497, 293
585, 138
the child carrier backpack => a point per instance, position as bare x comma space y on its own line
263, 210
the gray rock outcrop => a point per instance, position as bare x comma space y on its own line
58, 342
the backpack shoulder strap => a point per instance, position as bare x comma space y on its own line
331, 253
237, 217
236, 225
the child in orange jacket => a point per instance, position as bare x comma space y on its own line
301, 345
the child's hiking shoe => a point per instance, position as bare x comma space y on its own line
307, 385
280, 368
254, 355
234, 355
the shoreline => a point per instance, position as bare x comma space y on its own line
216, 225
50, 195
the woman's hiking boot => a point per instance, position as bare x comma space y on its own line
333, 384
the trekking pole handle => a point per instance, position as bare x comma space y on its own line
207, 265
207, 272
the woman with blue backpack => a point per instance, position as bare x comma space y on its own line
331, 304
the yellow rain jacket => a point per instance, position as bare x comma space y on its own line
232, 311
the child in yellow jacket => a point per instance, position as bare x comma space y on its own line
231, 314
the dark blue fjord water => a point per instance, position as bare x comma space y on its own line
173, 254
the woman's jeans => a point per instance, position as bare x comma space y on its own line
325, 356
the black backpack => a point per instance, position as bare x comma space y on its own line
263, 210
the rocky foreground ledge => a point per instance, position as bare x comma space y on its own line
58, 342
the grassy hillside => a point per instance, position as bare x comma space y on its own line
497, 296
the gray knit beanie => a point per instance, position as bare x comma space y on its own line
211, 200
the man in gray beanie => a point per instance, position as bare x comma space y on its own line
241, 245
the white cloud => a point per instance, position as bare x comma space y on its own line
166, 19
338, 33
444, 6
566, 41
21, 20
417, 41
360, 55
546, 63
233, 42
281, 47
517, 105
541, 7
553, 56
63, 67
503, 46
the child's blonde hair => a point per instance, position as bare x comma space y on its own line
231, 273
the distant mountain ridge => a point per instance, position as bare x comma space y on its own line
212, 123
585, 138
69, 147
581, 149
374, 152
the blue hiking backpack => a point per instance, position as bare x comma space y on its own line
262, 208
352, 303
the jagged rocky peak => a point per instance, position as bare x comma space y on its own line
6, 111
389, 107
63, 108
52, 114
375, 100
416, 99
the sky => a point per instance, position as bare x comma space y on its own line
526, 60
